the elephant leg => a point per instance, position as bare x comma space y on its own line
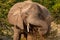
37, 34
48, 31
40, 34
25, 36
29, 37
16, 33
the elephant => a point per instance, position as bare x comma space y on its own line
29, 17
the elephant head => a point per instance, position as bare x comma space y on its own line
39, 16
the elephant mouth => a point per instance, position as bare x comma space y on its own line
33, 27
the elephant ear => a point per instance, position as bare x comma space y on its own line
46, 14
14, 16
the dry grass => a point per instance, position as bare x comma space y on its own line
54, 32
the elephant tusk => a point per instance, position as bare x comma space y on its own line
28, 27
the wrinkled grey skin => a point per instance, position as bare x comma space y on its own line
22, 14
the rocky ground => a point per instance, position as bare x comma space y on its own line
55, 32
